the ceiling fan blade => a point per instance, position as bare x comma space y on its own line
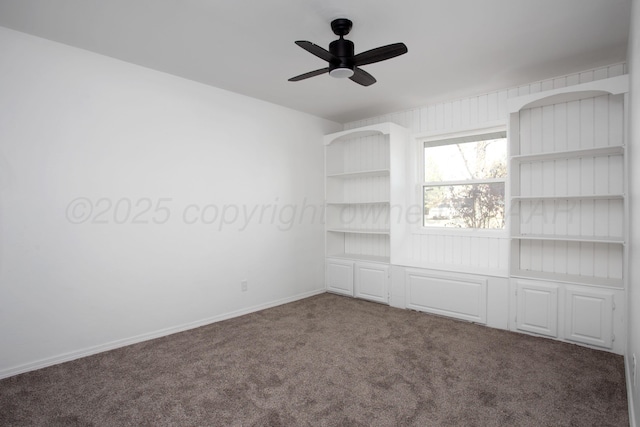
309, 74
380, 54
361, 77
318, 51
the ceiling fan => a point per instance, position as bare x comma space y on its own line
341, 58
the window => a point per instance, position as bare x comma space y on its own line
464, 181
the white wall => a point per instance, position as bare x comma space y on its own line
633, 322
79, 130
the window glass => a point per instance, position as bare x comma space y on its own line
465, 182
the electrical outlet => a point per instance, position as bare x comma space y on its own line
244, 286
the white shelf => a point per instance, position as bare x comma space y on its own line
357, 231
569, 278
556, 155
359, 174
577, 198
359, 257
581, 239
381, 202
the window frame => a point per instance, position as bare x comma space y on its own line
438, 138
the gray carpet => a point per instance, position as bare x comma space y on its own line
328, 361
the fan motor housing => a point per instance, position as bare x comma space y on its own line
344, 51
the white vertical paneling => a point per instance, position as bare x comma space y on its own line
492, 106
536, 131
616, 119
483, 106
586, 176
600, 260
548, 177
587, 120
562, 127
573, 79
602, 218
431, 121
615, 261
536, 179
524, 146
616, 70
560, 254
601, 73
416, 125
601, 175
526, 89
573, 223
548, 129
438, 122
615, 225
573, 257
447, 122
563, 214
601, 121
586, 256
456, 116
546, 85
447, 249
424, 119
465, 112
466, 254
586, 76
493, 253
559, 82
587, 218
616, 175
573, 125
561, 178
548, 255
473, 110
504, 254
456, 250
573, 173
502, 104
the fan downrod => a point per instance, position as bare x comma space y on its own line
341, 26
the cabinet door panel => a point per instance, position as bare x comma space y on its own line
372, 281
447, 295
339, 277
589, 316
537, 308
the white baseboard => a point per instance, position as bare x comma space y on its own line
630, 392
66, 357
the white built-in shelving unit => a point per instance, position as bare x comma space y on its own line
358, 187
568, 209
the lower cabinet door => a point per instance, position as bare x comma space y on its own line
537, 307
372, 282
589, 317
339, 276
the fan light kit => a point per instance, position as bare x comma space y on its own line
342, 61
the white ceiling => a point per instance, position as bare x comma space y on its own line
456, 47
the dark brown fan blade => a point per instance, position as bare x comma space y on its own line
380, 54
309, 74
361, 77
318, 51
